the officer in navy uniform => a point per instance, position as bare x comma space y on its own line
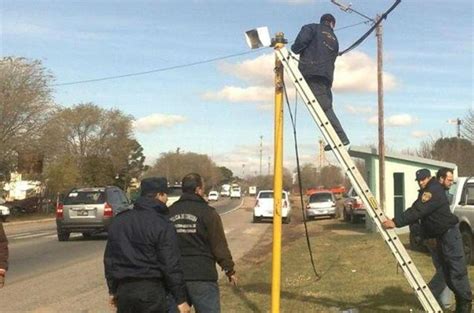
438, 222
142, 258
318, 48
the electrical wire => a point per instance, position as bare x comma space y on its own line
163, 69
298, 169
172, 67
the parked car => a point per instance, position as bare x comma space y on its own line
354, 208
4, 213
321, 203
89, 210
463, 206
213, 196
264, 206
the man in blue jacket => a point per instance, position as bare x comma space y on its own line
142, 258
439, 223
318, 48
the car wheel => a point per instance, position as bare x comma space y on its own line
332, 216
467, 243
86, 235
256, 219
63, 236
4, 218
287, 220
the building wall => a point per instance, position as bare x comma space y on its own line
411, 186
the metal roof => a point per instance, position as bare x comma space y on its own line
364, 152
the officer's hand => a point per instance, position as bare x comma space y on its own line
388, 224
233, 279
112, 302
184, 308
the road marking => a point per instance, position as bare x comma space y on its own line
30, 235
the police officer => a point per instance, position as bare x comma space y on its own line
437, 222
318, 48
202, 243
3, 255
142, 256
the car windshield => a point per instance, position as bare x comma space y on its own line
175, 191
269, 195
85, 197
320, 197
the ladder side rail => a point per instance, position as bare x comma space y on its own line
390, 237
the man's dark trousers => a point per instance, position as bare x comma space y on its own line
321, 89
451, 255
141, 296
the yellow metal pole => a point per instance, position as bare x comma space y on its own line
277, 182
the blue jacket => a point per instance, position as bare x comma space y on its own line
142, 243
432, 208
318, 48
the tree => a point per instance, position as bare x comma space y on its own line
98, 140
175, 165
226, 175
455, 150
25, 106
468, 126
309, 176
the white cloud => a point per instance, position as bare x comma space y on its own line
395, 120
152, 122
356, 110
419, 133
239, 94
356, 71
257, 71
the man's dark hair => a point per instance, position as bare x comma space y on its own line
191, 182
327, 19
443, 172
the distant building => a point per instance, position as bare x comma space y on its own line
401, 189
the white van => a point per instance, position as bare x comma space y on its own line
235, 192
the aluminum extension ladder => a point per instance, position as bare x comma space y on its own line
426, 298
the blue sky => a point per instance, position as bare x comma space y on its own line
222, 108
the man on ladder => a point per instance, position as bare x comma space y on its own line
318, 48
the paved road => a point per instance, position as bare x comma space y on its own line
50, 276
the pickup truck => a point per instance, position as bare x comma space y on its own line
463, 207
461, 197
354, 208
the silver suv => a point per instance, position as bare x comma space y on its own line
89, 210
463, 192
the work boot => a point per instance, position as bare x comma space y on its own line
329, 148
463, 307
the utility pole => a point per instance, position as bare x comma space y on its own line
261, 150
278, 42
379, 34
380, 104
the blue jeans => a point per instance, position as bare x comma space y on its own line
437, 284
202, 295
451, 257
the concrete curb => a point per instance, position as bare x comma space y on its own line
42, 220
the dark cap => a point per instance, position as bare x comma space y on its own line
422, 174
154, 185
327, 18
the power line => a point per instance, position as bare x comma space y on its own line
169, 68
163, 69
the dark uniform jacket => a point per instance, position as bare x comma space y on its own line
3, 249
201, 238
432, 208
318, 48
142, 243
